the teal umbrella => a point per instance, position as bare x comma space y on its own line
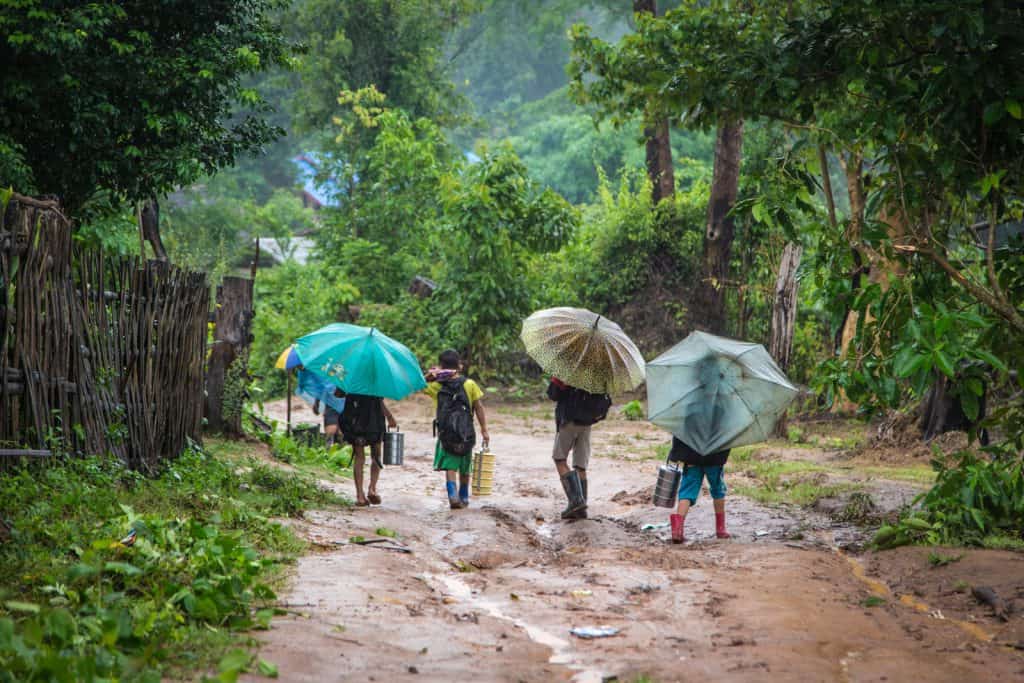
716, 393
361, 360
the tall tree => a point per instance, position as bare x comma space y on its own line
132, 98
720, 229
656, 133
397, 46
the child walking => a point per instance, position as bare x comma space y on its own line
457, 399
697, 468
362, 424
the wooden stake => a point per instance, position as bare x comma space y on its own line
289, 428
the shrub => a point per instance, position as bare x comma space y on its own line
108, 575
973, 501
634, 410
292, 300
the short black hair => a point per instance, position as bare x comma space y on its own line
449, 359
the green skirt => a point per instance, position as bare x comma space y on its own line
443, 460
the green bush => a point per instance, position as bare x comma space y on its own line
336, 457
79, 601
292, 300
634, 410
974, 501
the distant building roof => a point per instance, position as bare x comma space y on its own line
317, 192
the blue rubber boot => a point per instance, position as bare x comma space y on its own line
464, 495
453, 501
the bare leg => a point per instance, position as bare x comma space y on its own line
583, 472
719, 506
684, 507
562, 468
358, 460
331, 434
374, 469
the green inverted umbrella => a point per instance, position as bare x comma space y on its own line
361, 360
584, 350
715, 393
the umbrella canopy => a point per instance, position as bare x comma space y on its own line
584, 350
313, 388
288, 360
361, 360
715, 393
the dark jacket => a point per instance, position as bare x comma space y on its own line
576, 405
559, 392
682, 453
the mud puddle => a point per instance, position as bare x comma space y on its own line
561, 650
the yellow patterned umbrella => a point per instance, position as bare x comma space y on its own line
584, 350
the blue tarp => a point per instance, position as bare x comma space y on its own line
314, 388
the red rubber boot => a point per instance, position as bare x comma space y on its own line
720, 526
677, 528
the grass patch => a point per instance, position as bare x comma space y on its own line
1003, 542
110, 575
873, 601
915, 474
938, 560
793, 482
802, 493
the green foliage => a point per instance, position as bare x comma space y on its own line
77, 604
611, 257
129, 98
335, 458
564, 149
106, 224
634, 410
398, 46
292, 300
495, 217
380, 235
939, 560
973, 500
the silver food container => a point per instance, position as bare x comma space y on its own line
666, 489
394, 448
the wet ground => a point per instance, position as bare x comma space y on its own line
491, 593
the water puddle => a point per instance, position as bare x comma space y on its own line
561, 649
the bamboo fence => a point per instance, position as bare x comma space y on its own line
97, 354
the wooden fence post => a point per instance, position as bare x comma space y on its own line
232, 336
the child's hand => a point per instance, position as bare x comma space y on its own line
392, 423
487, 437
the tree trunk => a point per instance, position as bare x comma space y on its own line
150, 227
656, 133
659, 161
784, 309
228, 364
720, 227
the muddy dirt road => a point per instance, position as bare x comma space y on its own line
490, 593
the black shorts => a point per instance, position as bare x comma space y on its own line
363, 439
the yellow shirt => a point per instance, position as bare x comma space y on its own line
473, 391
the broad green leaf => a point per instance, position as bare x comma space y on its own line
19, 606
267, 669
